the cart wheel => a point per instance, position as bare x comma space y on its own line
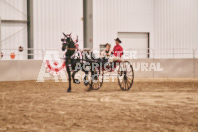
97, 79
87, 82
125, 75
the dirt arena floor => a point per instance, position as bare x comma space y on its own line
151, 105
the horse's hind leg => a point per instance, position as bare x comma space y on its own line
75, 80
69, 75
85, 80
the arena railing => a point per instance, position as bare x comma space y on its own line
38, 54
27, 53
165, 53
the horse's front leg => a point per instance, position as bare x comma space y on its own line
69, 76
77, 81
75, 66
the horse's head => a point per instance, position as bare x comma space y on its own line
67, 41
68, 44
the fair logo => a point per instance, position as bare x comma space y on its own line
52, 66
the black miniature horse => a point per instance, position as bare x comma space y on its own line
70, 62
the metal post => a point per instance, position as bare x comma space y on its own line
88, 23
148, 50
0, 38
194, 70
30, 44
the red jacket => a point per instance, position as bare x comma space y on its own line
118, 51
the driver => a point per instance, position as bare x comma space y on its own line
117, 51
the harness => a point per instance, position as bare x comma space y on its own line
76, 55
71, 48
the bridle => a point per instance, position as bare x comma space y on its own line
71, 48
66, 36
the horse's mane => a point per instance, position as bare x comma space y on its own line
71, 45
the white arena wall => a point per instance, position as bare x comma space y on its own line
52, 17
21, 70
113, 16
13, 34
171, 24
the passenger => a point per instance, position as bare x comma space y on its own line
107, 51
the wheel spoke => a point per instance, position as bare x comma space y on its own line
98, 82
130, 80
130, 77
126, 84
130, 71
129, 84
96, 86
122, 83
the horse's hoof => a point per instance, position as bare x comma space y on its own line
86, 83
76, 81
68, 90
